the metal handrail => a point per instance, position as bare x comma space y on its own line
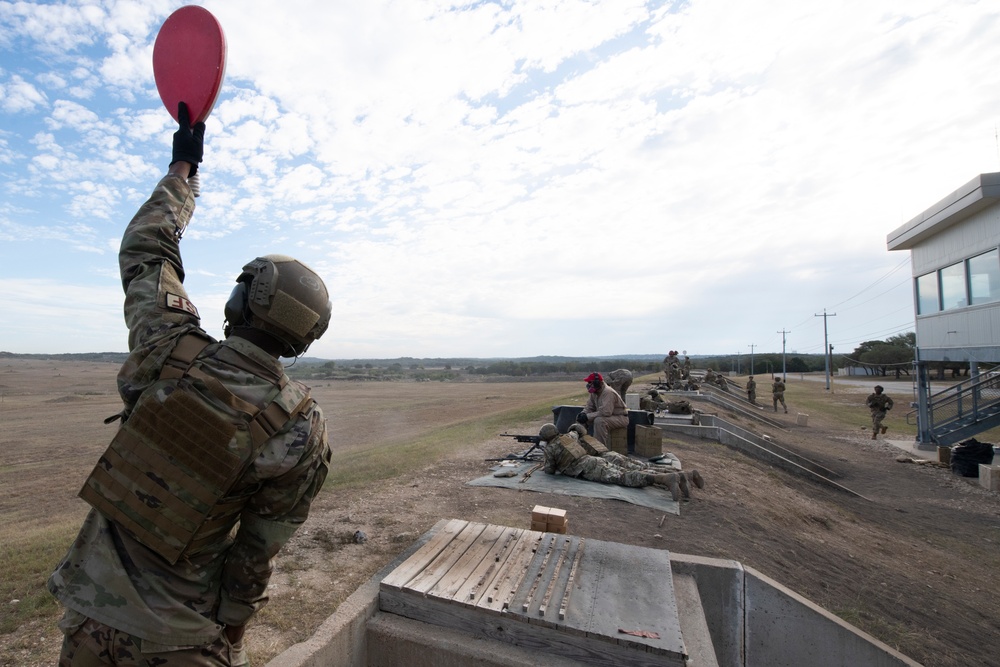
964, 401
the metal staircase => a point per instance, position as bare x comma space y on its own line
963, 410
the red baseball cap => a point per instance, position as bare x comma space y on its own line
592, 377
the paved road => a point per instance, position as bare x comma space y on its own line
855, 380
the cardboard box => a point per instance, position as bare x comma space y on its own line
648, 441
802, 420
540, 514
549, 519
619, 440
560, 529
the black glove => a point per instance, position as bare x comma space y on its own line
189, 142
582, 418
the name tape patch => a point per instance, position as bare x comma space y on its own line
182, 303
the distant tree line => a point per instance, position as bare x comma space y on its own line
881, 357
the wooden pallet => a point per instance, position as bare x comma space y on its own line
557, 593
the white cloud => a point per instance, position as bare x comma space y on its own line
571, 176
19, 96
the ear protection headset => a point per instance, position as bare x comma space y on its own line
236, 309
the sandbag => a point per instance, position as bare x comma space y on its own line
968, 454
679, 407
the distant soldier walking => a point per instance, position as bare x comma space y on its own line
751, 390
879, 404
778, 394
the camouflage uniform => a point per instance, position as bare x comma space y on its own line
778, 394
752, 390
565, 455
137, 602
879, 404
672, 368
686, 369
620, 380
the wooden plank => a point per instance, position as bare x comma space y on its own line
415, 564
545, 589
529, 613
548, 547
513, 630
572, 581
447, 557
482, 577
453, 586
509, 574
554, 577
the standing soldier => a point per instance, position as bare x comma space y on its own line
778, 394
751, 390
686, 368
879, 404
216, 460
672, 368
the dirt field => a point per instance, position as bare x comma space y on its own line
914, 564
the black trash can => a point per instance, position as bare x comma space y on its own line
564, 416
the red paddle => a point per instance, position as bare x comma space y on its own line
189, 61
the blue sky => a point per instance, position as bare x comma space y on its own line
505, 179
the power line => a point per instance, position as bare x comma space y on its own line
897, 268
902, 282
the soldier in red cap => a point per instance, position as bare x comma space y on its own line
605, 409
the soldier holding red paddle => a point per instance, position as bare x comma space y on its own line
218, 454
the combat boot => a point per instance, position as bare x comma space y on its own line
884, 429
875, 434
682, 482
669, 480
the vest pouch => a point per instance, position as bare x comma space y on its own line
169, 465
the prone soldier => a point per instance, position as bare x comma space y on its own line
576, 455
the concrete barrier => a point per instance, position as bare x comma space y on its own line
730, 614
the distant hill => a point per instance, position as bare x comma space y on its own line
101, 357
119, 357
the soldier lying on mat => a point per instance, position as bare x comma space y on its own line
576, 454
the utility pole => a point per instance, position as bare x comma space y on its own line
752, 346
826, 346
784, 374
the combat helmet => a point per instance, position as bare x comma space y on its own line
548, 432
282, 297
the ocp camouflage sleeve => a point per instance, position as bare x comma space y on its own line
273, 515
150, 263
152, 274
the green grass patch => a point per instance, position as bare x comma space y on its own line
359, 468
26, 560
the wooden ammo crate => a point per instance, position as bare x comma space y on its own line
619, 440
648, 441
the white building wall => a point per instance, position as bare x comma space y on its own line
976, 326
979, 233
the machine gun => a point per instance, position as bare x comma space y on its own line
534, 453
